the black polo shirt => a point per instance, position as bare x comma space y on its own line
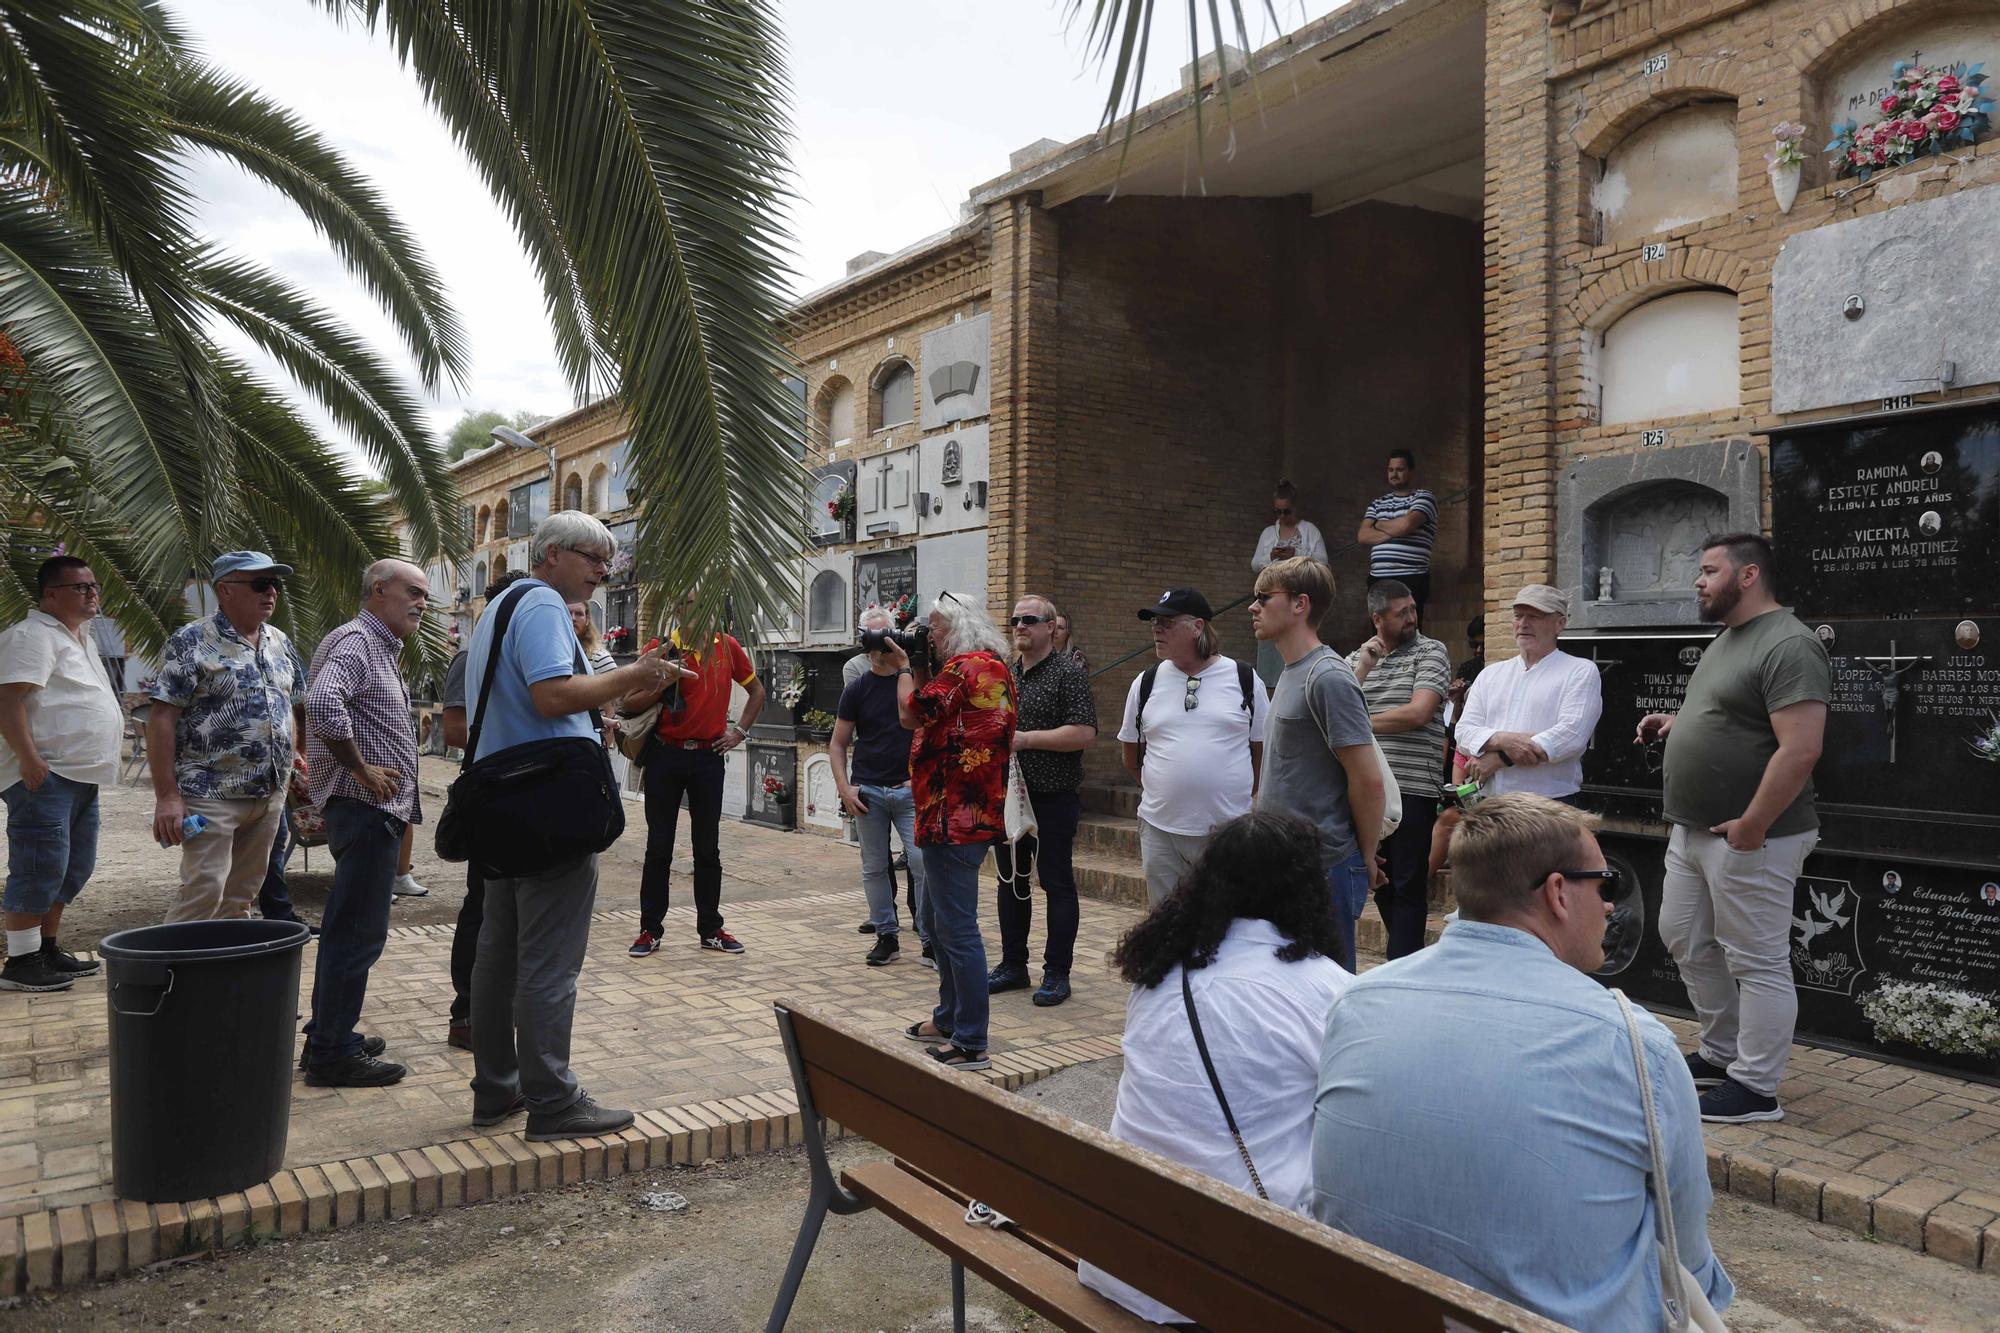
1054, 693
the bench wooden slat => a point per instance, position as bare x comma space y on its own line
1043, 1284
1219, 1255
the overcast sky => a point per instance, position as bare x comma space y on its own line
900, 107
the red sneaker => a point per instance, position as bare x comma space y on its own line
647, 943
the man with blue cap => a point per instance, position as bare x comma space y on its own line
221, 738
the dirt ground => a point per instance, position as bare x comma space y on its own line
597, 1257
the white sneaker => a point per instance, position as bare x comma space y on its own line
406, 886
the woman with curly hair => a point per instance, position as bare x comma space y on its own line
1245, 947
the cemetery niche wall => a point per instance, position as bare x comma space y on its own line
1887, 532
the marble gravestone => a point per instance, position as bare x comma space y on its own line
1642, 517
770, 795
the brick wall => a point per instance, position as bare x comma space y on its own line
1556, 101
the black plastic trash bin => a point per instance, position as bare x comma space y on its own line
204, 1022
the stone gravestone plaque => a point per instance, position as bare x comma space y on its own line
1896, 518
1640, 672
1892, 957
771, 797
884, 578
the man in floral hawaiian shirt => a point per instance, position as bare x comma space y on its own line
220, 738
964, 720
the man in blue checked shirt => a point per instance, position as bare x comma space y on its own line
361, 762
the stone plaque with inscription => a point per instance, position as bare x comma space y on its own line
1863, 929
884, 578
1900, 518
1640, 672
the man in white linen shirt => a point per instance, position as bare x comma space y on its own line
60, 726
1196, 751
1528, 720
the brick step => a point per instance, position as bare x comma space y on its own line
1110, 798
1113, 835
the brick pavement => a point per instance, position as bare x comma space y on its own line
1907, 1157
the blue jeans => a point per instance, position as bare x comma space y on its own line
1348, 883
887, 805
51, 843
366, 844
951, 904
274, 900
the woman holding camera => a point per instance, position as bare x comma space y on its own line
963, 716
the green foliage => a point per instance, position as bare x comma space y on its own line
474, 430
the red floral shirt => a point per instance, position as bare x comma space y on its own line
958, 759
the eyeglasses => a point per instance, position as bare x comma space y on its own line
601, 561
1018, 621
262, 585
1260, 598
1285, 511
1193, 688
89, 589
1607, 881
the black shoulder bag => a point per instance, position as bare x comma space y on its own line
530, 808
1194, 1021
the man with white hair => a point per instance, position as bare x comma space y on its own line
532, 940
1528, 720
877, 791
361, 764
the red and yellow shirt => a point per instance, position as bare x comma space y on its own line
704, 713
958, 758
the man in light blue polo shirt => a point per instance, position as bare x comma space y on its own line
532, 941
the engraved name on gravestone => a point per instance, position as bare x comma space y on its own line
1901, 518
1639, 673
884, 578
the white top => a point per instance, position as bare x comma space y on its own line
73, 715
1311, 545
1196, 772
1557, 702
1263, 1021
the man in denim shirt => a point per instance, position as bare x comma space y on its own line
1478, 1109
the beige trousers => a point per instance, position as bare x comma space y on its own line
223, 867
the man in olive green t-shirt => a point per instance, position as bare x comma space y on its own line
1738, 771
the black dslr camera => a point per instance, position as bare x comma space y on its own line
915, 641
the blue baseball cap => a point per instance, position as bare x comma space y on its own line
244, 562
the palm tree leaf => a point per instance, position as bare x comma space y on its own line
232, 120
355, 385
658, 140
126, 418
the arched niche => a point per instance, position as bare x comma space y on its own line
1679, 167
895, 395
1848, 78
822, 794
836, 411
485, 523
826, 603
572, 496
594, 497
1676, 355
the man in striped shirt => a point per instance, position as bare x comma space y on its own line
361, 762
1398, 530
1403, 674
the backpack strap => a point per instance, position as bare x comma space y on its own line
1146, 681
510, 600
1243, 674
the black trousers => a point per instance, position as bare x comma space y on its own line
1418, 584
1056, 817
1404, 900
671, 774
465, 944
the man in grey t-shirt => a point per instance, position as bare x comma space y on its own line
1319, 746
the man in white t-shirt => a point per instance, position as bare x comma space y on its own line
1193, 738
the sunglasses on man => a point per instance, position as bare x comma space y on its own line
1607, 881
1018, 621
262, 585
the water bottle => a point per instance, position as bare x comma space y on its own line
193, 826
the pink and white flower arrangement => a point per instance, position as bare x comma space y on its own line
1790, 150
1927, 110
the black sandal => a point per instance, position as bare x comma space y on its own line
954, 1056
915, 1031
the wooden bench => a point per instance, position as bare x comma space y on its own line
1220, 1256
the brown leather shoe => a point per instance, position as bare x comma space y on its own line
460, 1036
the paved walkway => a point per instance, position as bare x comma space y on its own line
1911, 1158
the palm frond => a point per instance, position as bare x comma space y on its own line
125, 415
356, 386
657, 144
1127, 25
233, 121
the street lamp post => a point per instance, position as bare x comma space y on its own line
513, 439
